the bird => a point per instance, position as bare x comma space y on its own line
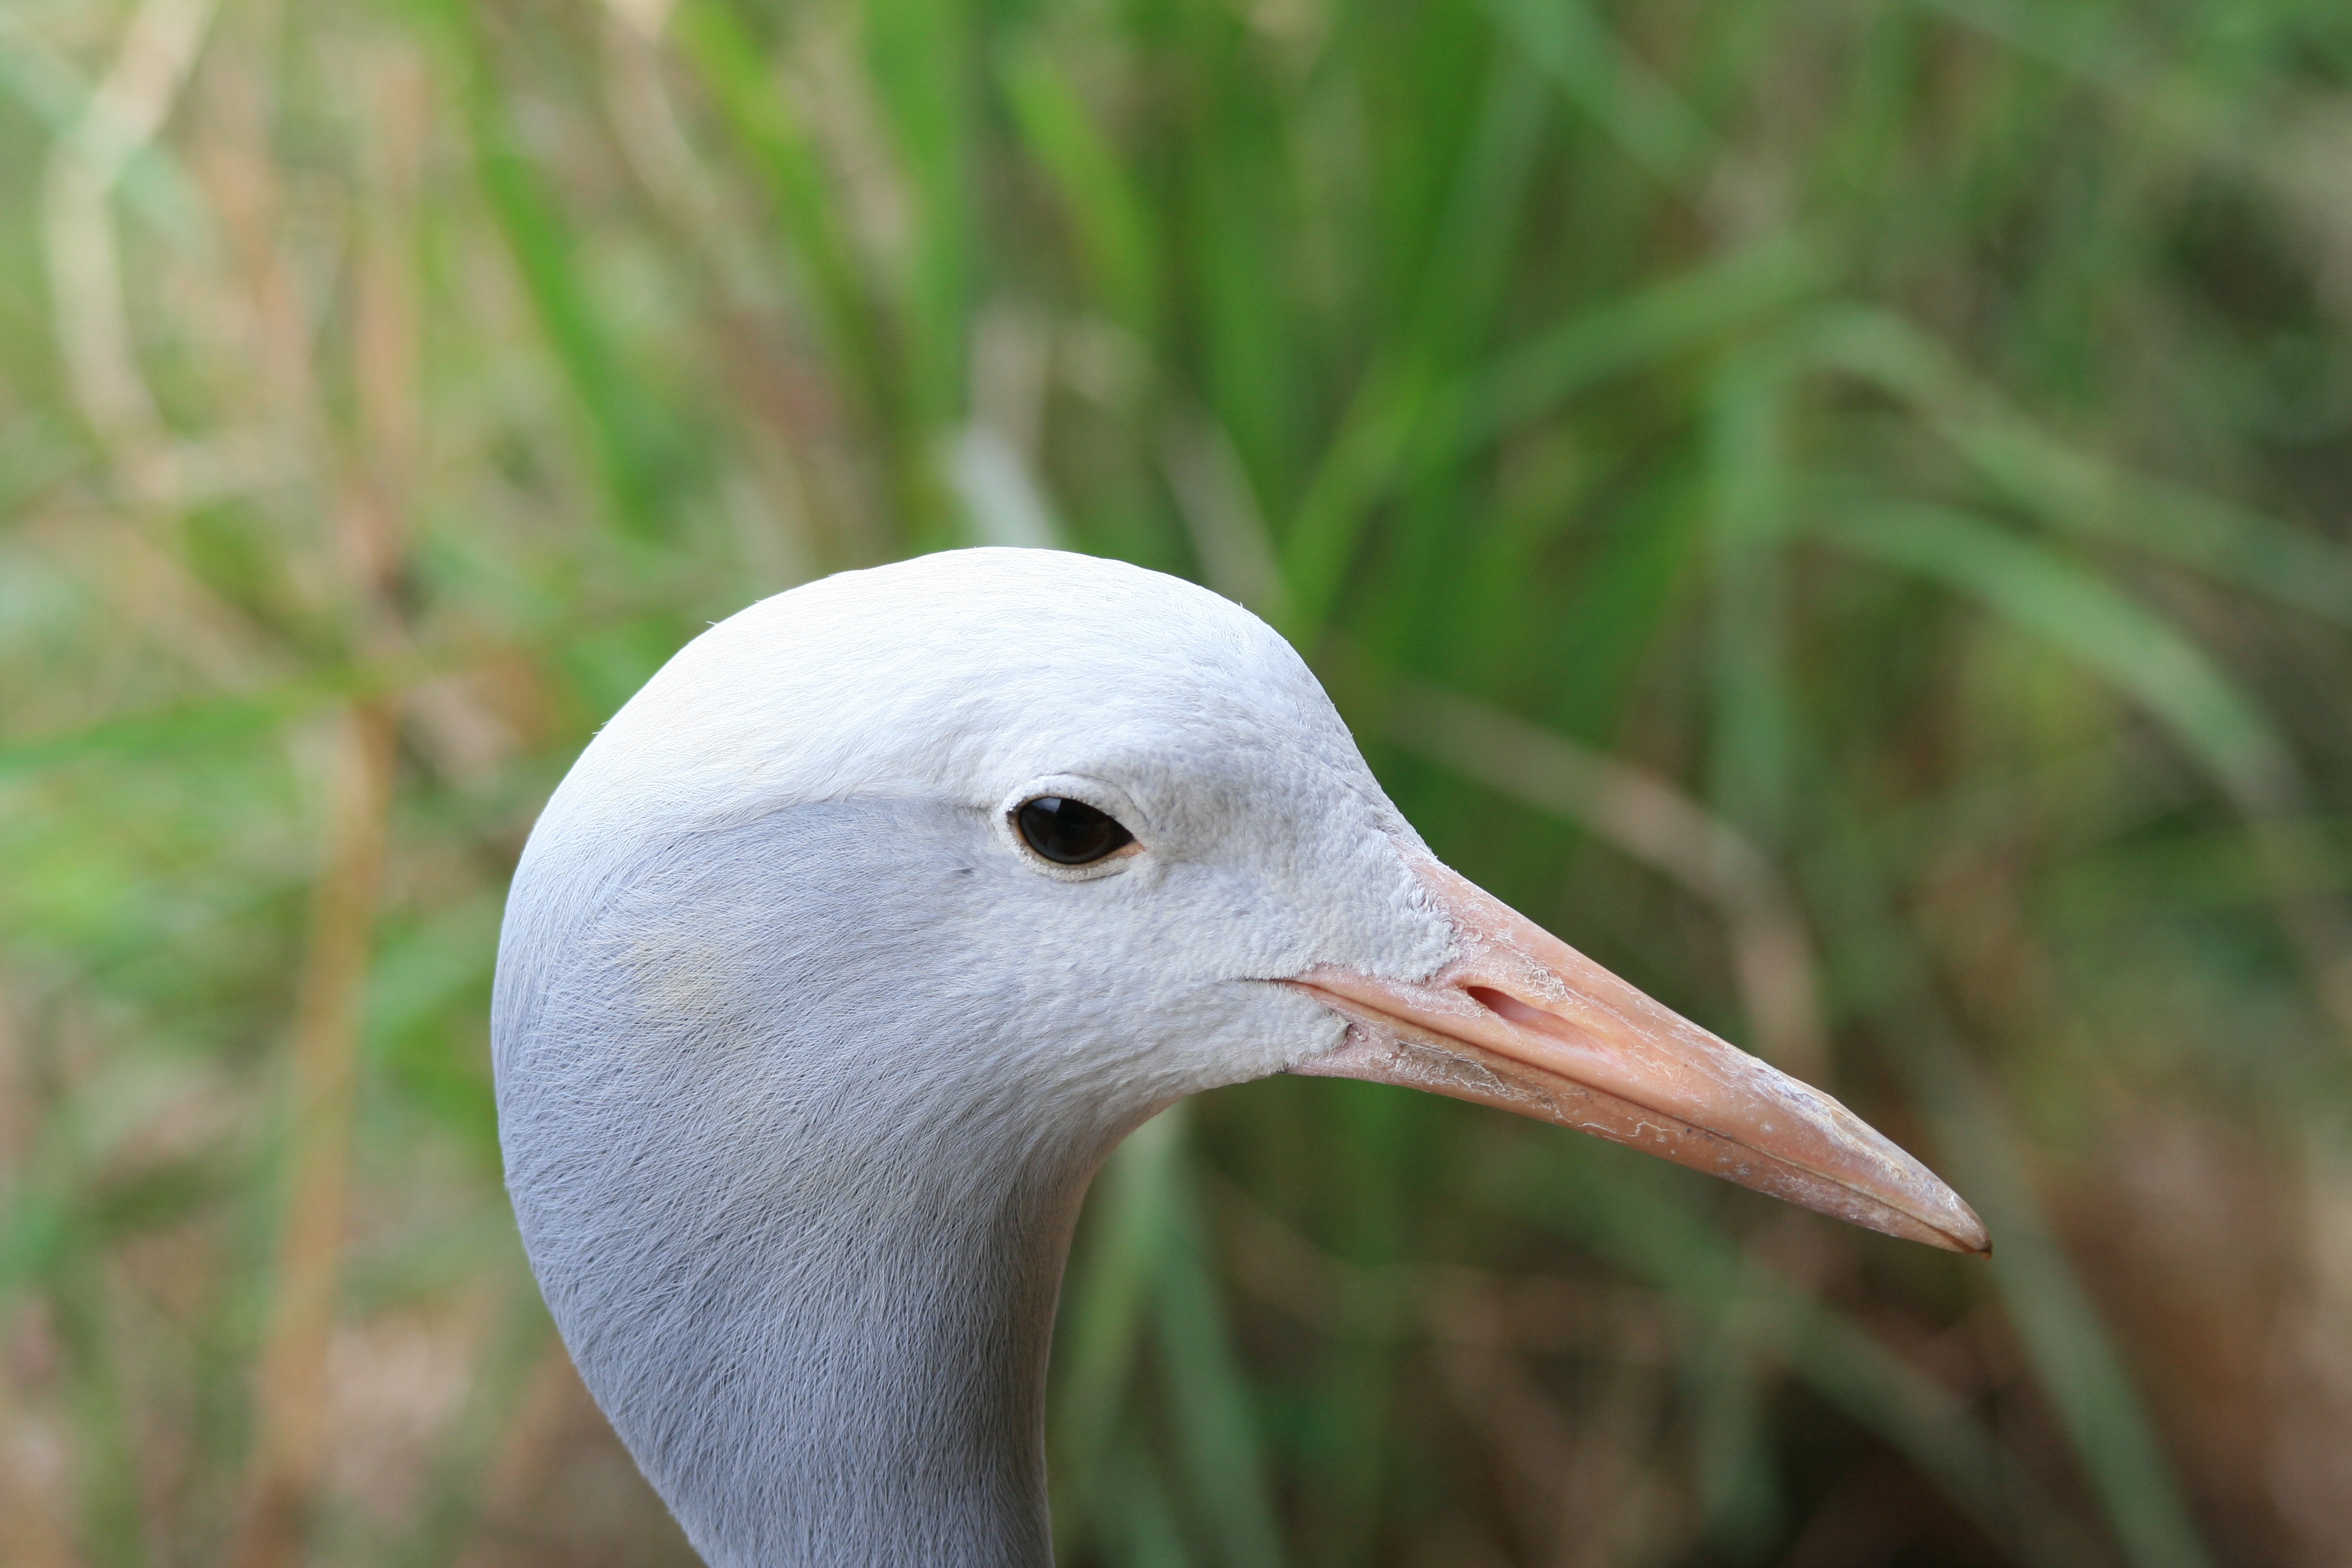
857, 939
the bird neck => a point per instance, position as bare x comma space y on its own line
830, 1371
862, 1387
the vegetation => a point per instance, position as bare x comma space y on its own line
1838, 508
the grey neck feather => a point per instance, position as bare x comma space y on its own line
800, 1208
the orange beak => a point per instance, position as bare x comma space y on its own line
1523, 1021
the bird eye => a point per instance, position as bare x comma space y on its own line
1070, 832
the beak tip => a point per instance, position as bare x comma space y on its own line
1960, 1230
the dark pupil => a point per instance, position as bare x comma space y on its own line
1070, 832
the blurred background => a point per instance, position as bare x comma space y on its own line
1841, 510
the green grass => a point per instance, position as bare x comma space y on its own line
1839, 509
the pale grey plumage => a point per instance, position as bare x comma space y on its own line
805, 1062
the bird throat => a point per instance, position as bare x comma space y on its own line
814, 1294
850, 1371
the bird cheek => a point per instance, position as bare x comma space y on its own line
1292, 1032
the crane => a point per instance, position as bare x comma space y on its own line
862, 934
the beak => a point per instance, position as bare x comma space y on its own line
1521, 1020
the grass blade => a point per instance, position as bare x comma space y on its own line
1209, 1392
2073, 608
1112, 1281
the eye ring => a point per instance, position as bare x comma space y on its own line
1067, 832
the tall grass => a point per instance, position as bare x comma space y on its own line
1840, 509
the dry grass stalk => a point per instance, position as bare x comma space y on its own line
290, 1392
31, 1534
93, 328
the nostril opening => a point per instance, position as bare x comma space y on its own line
1505, 1005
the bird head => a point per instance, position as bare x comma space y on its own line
1033, 843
